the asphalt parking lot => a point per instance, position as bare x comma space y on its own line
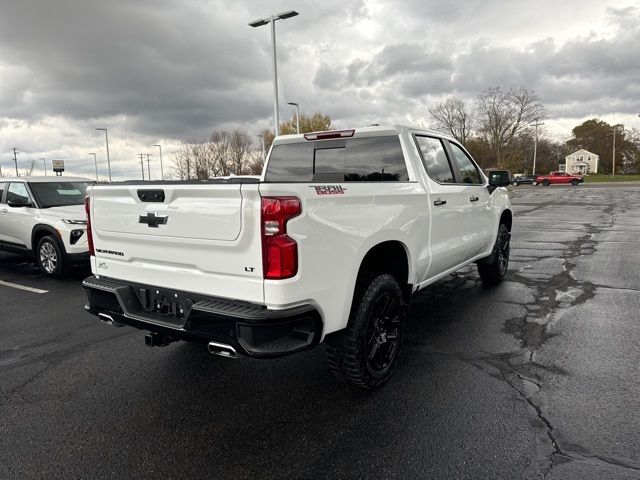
537, 377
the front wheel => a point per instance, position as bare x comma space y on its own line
545, 183
494, 271
574, 182
50, 256
534, 183
515, 184
366, 353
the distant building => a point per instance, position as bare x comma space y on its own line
582, 161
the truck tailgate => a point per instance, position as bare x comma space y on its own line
197, 238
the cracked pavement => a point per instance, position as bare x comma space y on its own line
535, 378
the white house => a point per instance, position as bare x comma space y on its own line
581, 161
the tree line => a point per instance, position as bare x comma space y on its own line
499, 130
236, 152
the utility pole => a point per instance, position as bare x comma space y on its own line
148, 168
15, 160
535, 144
161, 168
44, 163
141, 155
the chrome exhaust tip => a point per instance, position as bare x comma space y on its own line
222, 350
108, 319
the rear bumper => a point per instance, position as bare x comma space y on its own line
250, 329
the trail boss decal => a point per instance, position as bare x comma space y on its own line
329, 189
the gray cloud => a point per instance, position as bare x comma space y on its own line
156, 70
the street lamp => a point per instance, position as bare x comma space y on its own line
264, 156
535, 144
161, 168
106, 137
44, 163
272, 20
297, 115
148, 167
96, 164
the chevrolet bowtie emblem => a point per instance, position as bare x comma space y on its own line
152, 219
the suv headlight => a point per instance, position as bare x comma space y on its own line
74, 222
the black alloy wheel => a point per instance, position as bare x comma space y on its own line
382, 337
367, 351
494, 271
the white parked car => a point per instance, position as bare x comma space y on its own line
328, 245
44, 218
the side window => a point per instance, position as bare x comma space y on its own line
2, 187
468, 171
435, 159
17, 191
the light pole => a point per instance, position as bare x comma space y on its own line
613, 166
535, 144
95, 161
44, 163
161, 168
297, 115
264, 155
272, 20
106, 137
148, 168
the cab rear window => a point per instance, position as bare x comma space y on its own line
372, 159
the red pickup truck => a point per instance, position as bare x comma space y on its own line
558, 177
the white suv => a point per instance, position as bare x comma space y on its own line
44, 218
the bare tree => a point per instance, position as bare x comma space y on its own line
224, 153
452, 116
506, 114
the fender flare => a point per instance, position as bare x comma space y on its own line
42, 227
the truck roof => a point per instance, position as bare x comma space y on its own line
370, 131
44, 179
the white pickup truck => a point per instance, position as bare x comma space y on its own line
328, 245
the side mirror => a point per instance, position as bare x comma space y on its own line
19, 202
499, 179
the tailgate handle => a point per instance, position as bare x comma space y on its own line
151, 195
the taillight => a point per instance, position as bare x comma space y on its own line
87, 209
279, 251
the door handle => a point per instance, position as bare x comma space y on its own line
474, 199
439, 202
4, 210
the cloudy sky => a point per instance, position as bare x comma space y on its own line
163, 71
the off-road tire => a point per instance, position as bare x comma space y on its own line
349, 353
50, 256
545, 183
494, 272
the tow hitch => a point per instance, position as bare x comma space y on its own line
154, 339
